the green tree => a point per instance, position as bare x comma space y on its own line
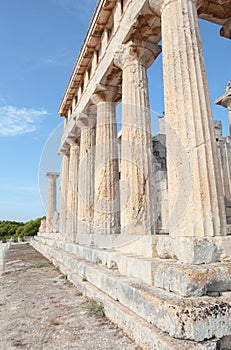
31, 228
16, 229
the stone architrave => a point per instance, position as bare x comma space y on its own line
106, 201
136, 204
225, 101
196, 201
72, 195
51, 202
86, 173
63, 193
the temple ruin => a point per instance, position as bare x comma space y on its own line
145, 221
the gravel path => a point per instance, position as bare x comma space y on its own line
40, 310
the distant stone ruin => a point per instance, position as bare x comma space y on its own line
145, 222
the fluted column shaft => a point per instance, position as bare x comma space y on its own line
51, 200
106, 201
196, 203
63, 194
136, 146
225, 149
229, 117
72, 195
86, 179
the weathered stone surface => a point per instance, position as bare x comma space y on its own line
193, 280
196, 203
107, 199
137, 215
190, 250
160, 182
86, 175
181, 318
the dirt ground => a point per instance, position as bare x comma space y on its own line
40, 310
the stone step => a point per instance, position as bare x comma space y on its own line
183, 279
184, 318
142, 332
133, 265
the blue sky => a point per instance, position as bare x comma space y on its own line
39, 43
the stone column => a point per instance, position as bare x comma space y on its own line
51, 202
106, 201
86, 174
136, 146
196, 201
63, 193
72, 195
225, 101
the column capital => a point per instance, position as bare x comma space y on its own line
74, 146
64, 152
87, 118
51, 175
106, 93
161, 4
155, 6
225, 99
136, 51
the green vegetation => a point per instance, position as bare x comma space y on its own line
95, 308
63, 277
14, 229
39, 264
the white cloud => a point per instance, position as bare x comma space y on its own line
16, 121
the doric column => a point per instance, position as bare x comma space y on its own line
72, 195
136, 148
63, 193
106, 201
86, 174
51, 201
196, 201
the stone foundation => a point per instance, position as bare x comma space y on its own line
160, 303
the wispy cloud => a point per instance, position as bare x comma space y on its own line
16, 121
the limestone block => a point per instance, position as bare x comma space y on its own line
193, 280
195, 250
195, 319
164, 247
188, 250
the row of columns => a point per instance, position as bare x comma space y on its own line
91, 200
